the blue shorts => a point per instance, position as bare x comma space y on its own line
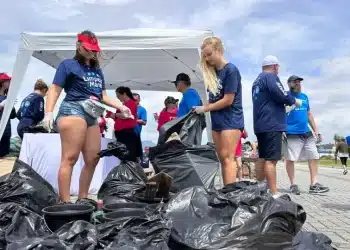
71, 108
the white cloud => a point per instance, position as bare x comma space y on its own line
251, 29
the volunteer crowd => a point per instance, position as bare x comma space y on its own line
280, 117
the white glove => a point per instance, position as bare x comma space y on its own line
290, 108
199, 110
298, 102
2, 104
48, 121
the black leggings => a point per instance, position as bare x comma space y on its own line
132, 142
5, 146
343, 160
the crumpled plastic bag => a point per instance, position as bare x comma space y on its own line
116, 149
189, 127
136, 234
189, 166
26, 187
312, 241
215, 220
18, 223
122, 182
73, 235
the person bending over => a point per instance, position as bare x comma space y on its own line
124, 127
31, 111
84, 84
269, 117
223, 82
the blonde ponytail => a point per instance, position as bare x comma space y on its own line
209, 73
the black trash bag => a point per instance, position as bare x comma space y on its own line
220, 220
26, 187
116, 149
142, 234
312, 241
122, 182
36, 129
188, 166
189, 127
74, 235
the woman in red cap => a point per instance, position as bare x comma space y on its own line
5, 139
82, 79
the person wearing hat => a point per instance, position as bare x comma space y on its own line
82, 79
300, 143
269, 100
190, 97
169, 112
6, 137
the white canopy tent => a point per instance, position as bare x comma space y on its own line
142, 59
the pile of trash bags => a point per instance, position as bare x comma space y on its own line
239, 216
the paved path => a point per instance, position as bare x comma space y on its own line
327, 213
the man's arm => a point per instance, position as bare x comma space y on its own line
313, 123
278, 93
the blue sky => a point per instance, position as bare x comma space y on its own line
310, 39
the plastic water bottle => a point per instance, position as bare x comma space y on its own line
98, 215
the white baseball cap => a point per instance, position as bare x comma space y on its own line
270, 60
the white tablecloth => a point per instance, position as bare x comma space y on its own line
43, 153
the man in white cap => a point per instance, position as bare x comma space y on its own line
269, 115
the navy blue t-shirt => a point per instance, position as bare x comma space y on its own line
80, 82
31, 111
231, 117
269, 98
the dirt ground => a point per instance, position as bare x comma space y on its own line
6, 165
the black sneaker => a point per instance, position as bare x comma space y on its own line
294, 189
318, 189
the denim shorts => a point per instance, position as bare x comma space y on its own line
71, 108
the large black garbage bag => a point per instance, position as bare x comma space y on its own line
26, 187
73, 235
312, 241
135, 234
189, 166
18, 223
215, 220
122, 182
189, 127
116, 149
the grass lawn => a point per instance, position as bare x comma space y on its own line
329, 163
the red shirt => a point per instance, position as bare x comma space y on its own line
165, 116
102, 123
120, 124
239, 145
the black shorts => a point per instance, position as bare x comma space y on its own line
270, 145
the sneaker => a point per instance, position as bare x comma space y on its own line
64, 203
294, 189
318, 189
345, 171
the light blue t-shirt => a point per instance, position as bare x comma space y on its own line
141, 115
298, 119
190, 99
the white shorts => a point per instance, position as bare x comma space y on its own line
300, 148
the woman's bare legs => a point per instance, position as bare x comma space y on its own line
239, 168
91, 148
226, 142
72, 131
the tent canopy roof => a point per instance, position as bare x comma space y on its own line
142, 59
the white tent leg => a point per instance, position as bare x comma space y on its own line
19, 69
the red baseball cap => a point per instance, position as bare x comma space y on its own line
4, 76
89, 43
